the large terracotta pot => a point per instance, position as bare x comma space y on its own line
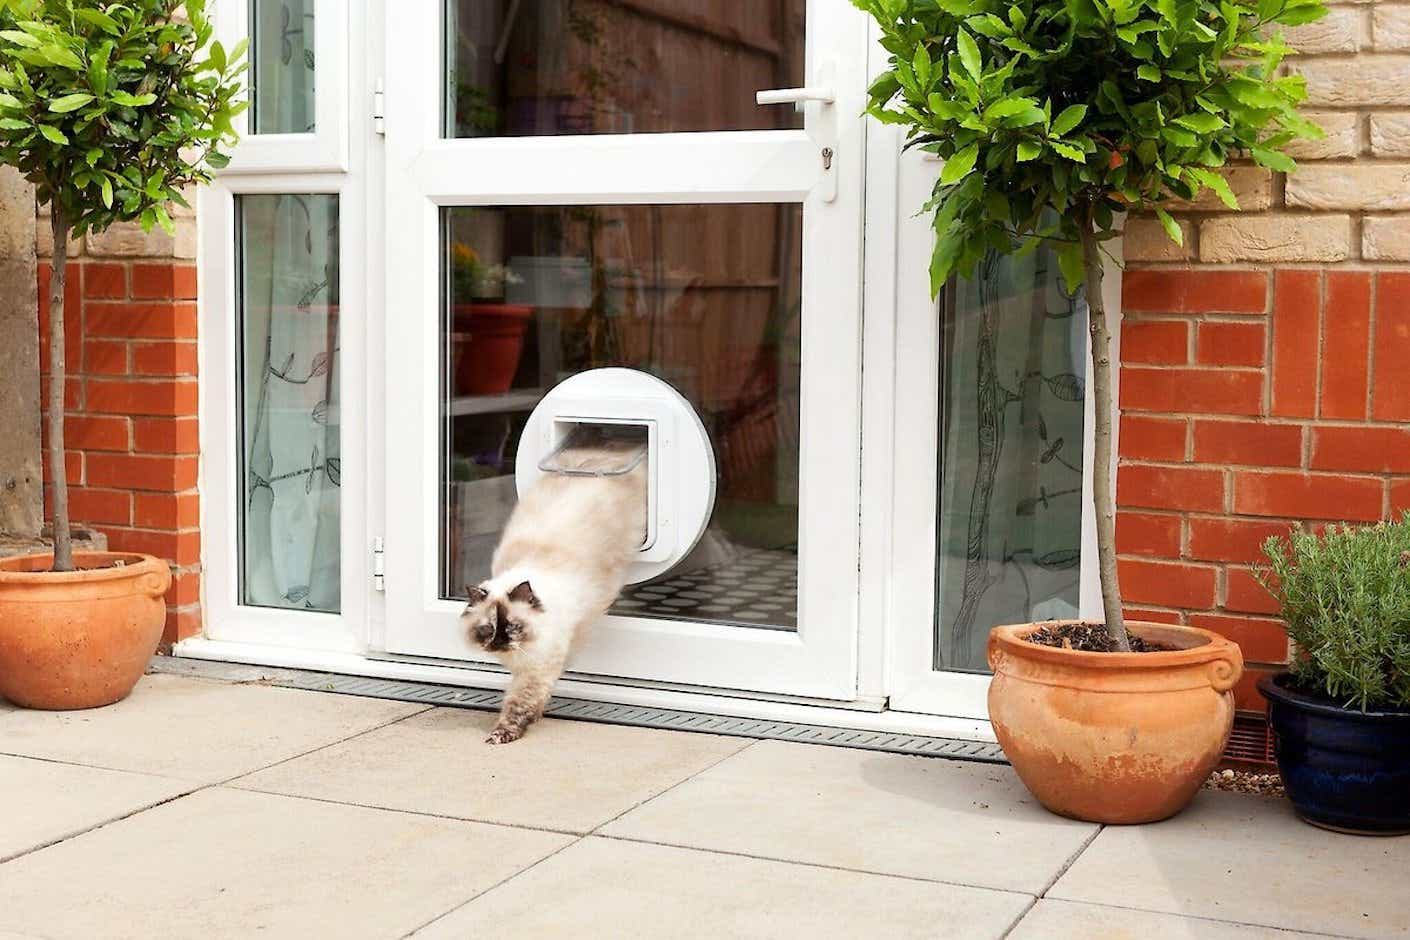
1114, 737
490, 342
82, 638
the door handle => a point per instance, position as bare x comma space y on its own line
821, 93
825, 96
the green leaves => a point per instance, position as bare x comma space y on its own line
969, 55
69, 102
1172, 228
959, 165
1053, 117
1070, 117
107, 107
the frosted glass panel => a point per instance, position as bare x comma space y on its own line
289, 417
1013, 379
282, 65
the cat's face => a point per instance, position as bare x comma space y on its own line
500, 622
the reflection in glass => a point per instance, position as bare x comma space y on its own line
704, 297
1013, 366
282, 66
289, 402
518, 68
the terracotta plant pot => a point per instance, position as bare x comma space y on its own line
1114, 737
82, 638
490, 338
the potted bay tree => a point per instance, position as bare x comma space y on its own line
110, 110
1055, 119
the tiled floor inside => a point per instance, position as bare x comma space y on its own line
202, 808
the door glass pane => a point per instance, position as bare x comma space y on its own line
289, 413
282, 66
516, 68
704, 297
1013, 378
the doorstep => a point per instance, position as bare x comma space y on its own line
574, 709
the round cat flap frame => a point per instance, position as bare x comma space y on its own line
653, 421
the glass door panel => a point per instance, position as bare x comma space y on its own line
704, 297
552, 67
1013, 372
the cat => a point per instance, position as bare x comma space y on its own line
561, 562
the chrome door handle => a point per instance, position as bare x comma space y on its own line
821, 93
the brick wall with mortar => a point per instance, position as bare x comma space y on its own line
132, 396
1264, 380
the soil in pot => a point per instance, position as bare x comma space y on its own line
1088, 638
78, 639
1343, 769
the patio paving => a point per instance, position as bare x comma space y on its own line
202, 808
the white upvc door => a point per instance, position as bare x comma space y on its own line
818, 168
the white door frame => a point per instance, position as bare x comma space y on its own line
426, 172
911, 681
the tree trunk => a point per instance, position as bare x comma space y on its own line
1103, 489
58, 471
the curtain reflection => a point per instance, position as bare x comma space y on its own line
282, 63
1010, 523
289, 423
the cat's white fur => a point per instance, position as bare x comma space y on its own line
560, 564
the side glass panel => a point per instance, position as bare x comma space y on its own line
287, 257
516, 68
1013, 378
705, 297
282, 66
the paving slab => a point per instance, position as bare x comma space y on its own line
965, 823
1070, 920
230, 863
565, 775
1247, 859
605, 888
47, 801
195, 729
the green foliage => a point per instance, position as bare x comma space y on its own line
1346, 598
1089, 108
111, 108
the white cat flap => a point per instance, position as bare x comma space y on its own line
629, 417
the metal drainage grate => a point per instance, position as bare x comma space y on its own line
581, 710
1251, 741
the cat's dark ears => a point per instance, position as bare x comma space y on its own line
476, 594
523, 593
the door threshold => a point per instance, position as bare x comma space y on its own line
355, 674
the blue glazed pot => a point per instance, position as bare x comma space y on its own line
1343, 769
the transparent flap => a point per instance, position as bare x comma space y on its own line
598, 450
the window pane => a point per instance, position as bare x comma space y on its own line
704, 297
281, 60
289, 417
547, 67
1013, 378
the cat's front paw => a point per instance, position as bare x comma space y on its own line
503, 735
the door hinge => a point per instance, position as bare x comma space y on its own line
379, 108
379, 565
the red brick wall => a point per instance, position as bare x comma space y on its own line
1253, 400
131, 426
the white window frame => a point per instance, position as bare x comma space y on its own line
321, 163
326, 150
912, 682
